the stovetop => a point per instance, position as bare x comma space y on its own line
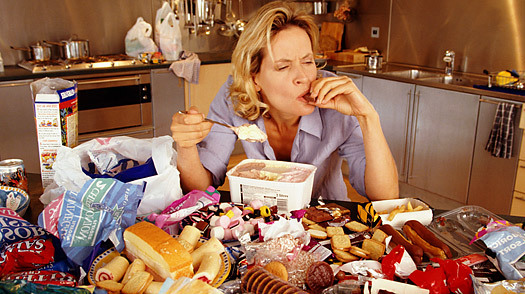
101, 61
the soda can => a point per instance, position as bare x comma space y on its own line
13, 174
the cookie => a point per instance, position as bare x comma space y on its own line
332, 231
344, 256
359, 252
356, 226
376, 248
318, 234
341, 242
319, 276
277, 269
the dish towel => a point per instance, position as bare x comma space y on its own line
187, 67
502, 134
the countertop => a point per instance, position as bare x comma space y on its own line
13, 73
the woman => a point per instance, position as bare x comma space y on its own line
274, 73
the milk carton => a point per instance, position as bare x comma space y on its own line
55, 108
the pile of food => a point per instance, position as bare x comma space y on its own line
199, 244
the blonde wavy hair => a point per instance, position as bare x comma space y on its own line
248, 54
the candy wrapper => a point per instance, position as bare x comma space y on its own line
505, 286
25, 287
102, 209
183, 207
398, 262
451, 276
363, 268
507, 242
284, 227
25, 247
44, 277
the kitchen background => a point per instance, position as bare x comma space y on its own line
485, 34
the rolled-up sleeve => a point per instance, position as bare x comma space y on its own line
215, 150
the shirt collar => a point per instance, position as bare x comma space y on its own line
312, 123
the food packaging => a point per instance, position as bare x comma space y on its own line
56, 117
287, 196
424, 216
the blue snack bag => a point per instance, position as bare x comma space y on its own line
102, 209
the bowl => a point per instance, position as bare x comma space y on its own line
14, 198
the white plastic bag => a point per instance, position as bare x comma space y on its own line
170, 37
161, 15
161, 189
138, 39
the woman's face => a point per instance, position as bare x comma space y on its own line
284, 80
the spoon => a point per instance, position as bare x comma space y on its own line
247, 132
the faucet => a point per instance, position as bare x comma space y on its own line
449, 62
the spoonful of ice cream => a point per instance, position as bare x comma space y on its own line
246, 132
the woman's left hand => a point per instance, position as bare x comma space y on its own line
340, 93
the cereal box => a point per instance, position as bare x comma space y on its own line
55, 106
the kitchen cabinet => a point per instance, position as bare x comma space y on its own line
392, 100
443, 135
357, 79
492, 178
430, 132
167, 97
211, 78
518, 197
18, 130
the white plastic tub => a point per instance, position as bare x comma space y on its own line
287, 196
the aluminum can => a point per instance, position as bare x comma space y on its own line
13, 174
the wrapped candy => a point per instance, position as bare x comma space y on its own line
458, 275
398, 262
433, 279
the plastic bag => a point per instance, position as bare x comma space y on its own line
170, 38
161, 189
138, 39
161, 15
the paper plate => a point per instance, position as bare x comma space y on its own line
111, 253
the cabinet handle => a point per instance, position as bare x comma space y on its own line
522, 166
519, 198
407, 130
413, 145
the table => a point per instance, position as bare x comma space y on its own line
36, 190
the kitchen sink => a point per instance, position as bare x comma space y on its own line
413, 74
451, 80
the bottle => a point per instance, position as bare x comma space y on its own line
1, 63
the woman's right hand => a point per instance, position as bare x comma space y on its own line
189, 128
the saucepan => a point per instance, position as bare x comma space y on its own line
73, 48
373, 61
37, 52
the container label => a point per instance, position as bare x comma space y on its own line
269, 197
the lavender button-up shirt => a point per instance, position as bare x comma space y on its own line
323, 139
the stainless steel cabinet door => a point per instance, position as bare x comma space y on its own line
392, 101
492, 179
18, 129
444, 130
167, 97
357, 79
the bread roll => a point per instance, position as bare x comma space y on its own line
114, 270
191, 235
161, 253
213, 245
209, 268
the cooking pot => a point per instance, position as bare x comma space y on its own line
37, 52
73, 48
373, 61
